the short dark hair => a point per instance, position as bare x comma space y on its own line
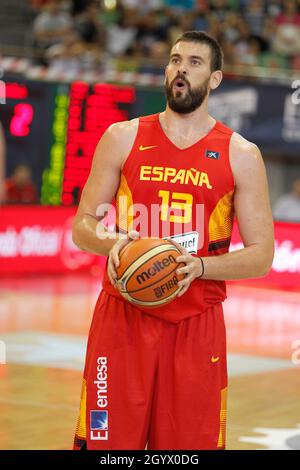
202, 37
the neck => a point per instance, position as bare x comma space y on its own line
197, 121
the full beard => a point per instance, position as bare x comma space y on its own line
187, 101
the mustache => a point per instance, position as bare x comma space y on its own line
181, 77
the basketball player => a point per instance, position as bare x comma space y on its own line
158, 377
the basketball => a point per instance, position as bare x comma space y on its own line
146, 274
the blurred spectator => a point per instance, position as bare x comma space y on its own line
2, 164
89, 26
288, 205
127, 62
51, 25
19, 188
220, 9
214, 27
37, 4
125, 32
273, 7
200, 20
290, 14
229, 52
255, 16
242, 43
181, 4
122, 35
157, 60
143, 7
74, 56
269, 30
230, 27
79, 6
252, 55
151, 29
287, 38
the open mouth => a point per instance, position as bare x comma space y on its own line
179, 84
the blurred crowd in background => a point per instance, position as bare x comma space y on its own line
77, 36
136, 35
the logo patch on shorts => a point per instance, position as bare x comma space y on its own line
99, 420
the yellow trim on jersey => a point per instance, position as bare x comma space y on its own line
221, 219
124, 202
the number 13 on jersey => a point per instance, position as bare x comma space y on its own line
181, 201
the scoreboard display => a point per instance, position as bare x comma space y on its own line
55, 127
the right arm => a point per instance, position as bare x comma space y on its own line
102, 185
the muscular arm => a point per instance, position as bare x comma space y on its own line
101, 186
254, 216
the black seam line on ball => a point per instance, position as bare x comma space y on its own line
150, 285
153, 248
137, 301
162, 304
146, 261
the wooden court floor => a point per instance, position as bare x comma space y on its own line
44, 324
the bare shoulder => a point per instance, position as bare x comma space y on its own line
245, 156
123, 132
116, 143
241, 147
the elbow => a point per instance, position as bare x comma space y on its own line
264, 270
76, 239
265, 266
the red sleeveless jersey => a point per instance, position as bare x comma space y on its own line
185, 194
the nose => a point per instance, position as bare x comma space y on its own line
182, 68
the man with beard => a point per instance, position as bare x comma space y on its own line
159, 377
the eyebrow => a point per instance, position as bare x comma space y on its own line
191, 56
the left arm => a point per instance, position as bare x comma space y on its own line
254, 216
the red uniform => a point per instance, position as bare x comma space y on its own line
159, 376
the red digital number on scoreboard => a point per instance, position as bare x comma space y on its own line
21, 120
91, 111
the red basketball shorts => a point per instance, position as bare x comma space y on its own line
151, 382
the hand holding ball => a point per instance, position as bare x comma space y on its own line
146, 274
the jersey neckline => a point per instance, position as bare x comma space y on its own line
190, 146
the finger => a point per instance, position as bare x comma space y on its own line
183, 259
133, 234
115, 257
183, 270
185, 281
183, 290
111, 271
174, 243
116, 249
185, 284
180, 248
